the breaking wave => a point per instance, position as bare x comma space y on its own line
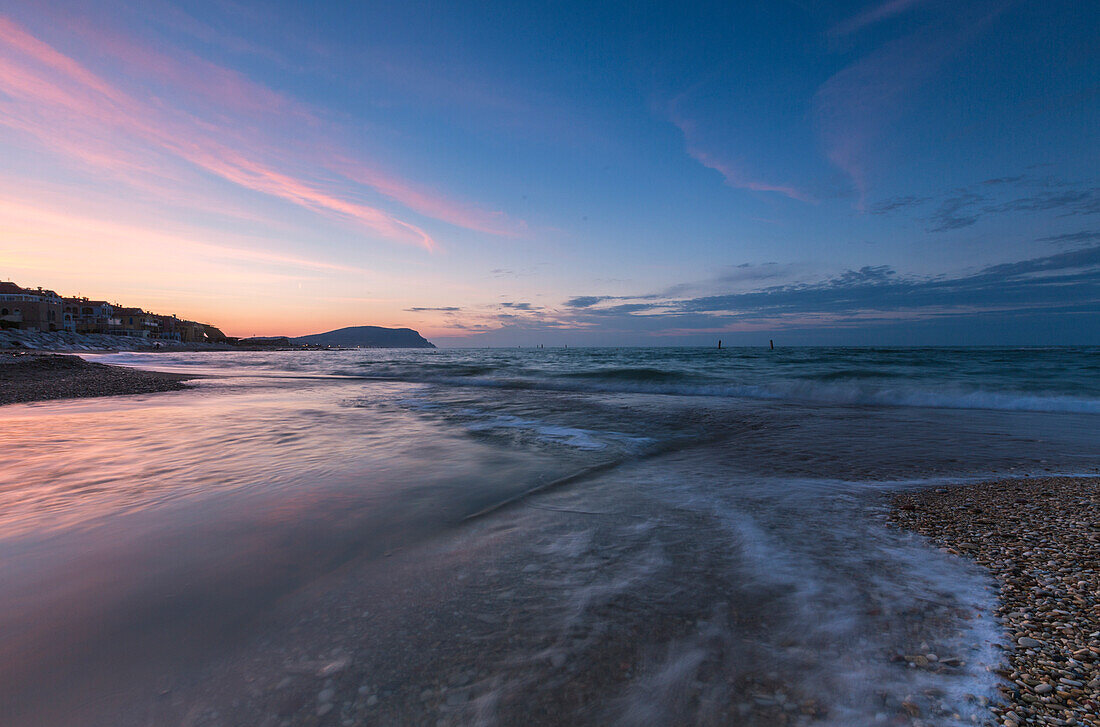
629, 374
823, 393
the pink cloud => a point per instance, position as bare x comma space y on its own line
872, 15
73, 96
263, 179
429, 204
78, 114
733, 176
66, 232
855, 108
200, 79
736, 178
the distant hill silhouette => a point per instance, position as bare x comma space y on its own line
368, 337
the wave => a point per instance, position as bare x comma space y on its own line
853, 394
492, 423
846, 374
957, 399
628, 374
387, 370
981, 382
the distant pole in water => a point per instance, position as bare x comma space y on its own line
719, 344
772, 343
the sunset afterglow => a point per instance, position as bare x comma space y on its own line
373, 166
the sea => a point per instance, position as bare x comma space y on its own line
587, 536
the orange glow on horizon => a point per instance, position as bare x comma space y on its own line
243, 291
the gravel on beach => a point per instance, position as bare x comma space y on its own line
38, 376
1040, 538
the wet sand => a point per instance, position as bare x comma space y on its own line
617, 601
1040, 538
28, 377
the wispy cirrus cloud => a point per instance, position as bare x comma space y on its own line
190, 76
855, 108
872, 15
219, 122
430, 204
53, 233
70, 109
733, 175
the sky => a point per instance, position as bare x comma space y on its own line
498, 174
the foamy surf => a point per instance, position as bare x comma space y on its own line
768, 602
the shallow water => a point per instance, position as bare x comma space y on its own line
176, 558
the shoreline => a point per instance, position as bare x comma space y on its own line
1034, 535
1038, 538
28, 377
12, 340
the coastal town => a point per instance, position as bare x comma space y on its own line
37, 310
40, 319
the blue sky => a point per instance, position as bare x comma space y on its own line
908, 171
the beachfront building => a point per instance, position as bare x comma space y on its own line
37, 310
172, 328
88, 316
30, 310
168, 328
69, 314
133, 322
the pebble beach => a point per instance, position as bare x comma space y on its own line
1040, 539
28, 377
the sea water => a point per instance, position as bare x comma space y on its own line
598, 536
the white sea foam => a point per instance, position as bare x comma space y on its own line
794, 591
477, 420
568, 436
